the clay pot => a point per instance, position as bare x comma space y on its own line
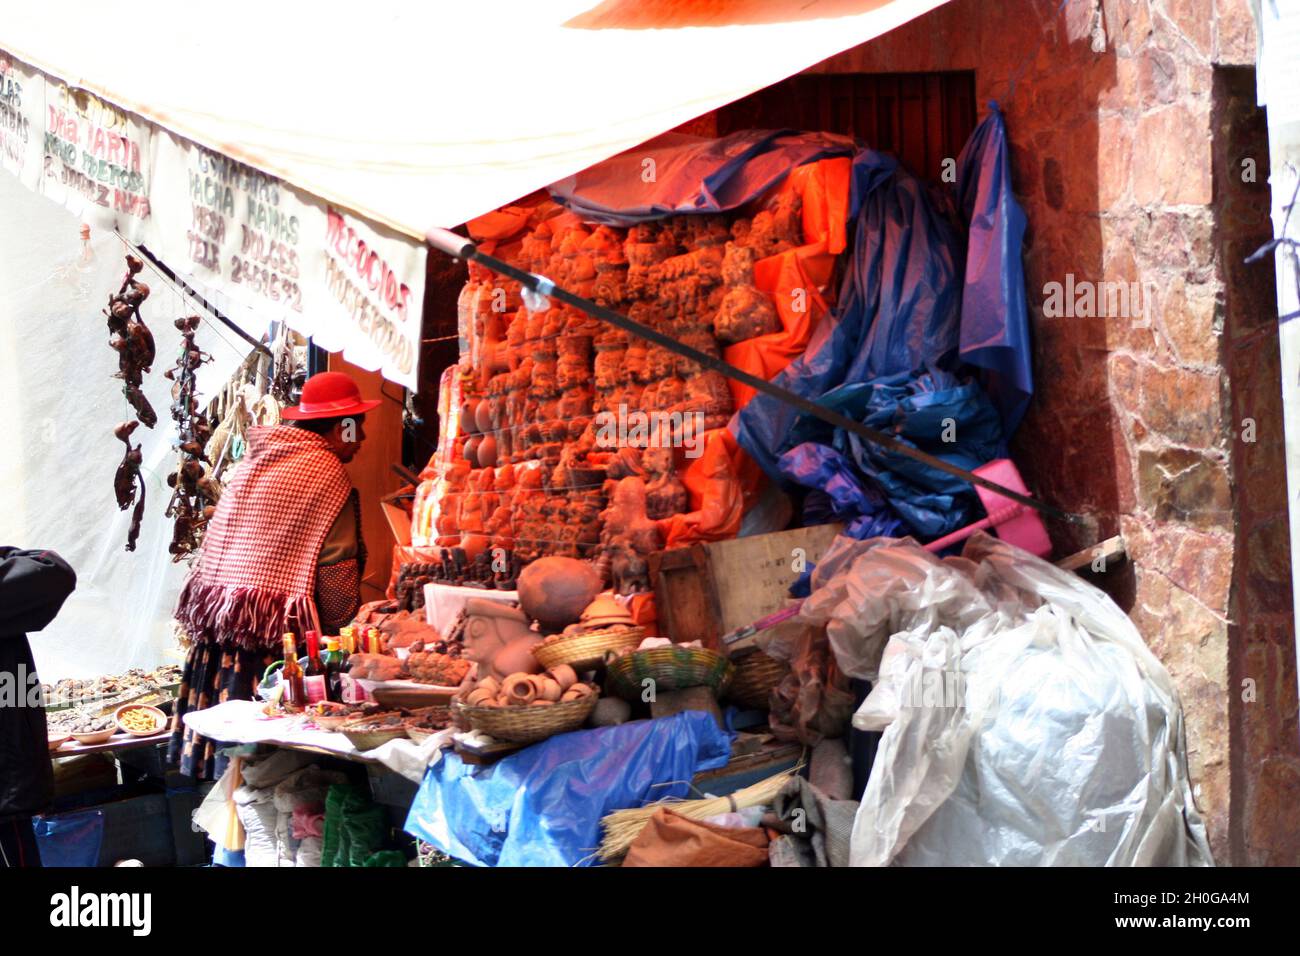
577, 692
483, 416
480, 697
519, 690
487, 451
474, 545
548, 689
564, 675
555, 590
490, 684
605, 611
471, 450
541, 703
469, 417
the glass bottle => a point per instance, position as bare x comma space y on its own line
295, 693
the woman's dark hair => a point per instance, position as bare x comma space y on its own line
320, 426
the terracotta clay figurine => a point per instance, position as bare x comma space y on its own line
628, 537
745, 311
665, 494
499, 639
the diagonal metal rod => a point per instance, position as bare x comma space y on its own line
459, 247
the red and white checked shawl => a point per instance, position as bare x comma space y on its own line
256, 576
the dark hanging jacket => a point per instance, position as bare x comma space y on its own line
33, 587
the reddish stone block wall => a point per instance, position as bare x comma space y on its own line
1112, 114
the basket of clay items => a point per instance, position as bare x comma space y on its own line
526, 708
605, 627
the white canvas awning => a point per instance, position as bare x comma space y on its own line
374, 121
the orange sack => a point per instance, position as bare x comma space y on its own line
670, 839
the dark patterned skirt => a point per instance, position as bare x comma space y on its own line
213, 675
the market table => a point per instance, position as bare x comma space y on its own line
118, 741
243, 722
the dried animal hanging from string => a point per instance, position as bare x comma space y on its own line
132, 340
128, 479
194, 491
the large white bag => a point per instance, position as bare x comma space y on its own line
1025, 721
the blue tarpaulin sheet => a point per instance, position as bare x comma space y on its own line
994, 317
919, 305
677, 174
543, 805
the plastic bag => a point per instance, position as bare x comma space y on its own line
1025, 721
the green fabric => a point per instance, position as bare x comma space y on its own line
354, 828
364, 828
386, 858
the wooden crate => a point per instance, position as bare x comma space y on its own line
706, 590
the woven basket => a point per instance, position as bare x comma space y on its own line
420, 734
370, 739
756, 675
527, 725
671, 668
584, 652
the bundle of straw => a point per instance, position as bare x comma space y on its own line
623, 826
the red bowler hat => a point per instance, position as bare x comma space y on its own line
329, 395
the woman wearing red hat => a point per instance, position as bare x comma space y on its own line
282, 551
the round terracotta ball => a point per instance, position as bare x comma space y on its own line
471, 450
483, 416
487, 451
469, 417
554, 591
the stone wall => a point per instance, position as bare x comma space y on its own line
1120, 140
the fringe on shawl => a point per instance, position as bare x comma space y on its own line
251, 618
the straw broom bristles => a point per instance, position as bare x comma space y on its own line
623, 826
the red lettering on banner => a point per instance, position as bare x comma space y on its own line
366, 264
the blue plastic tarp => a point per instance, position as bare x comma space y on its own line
543, 805
676, 174
937, 413
898, 311
920, 309
994, 317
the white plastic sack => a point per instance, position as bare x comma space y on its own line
1040, 731
865, 591
256, 809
